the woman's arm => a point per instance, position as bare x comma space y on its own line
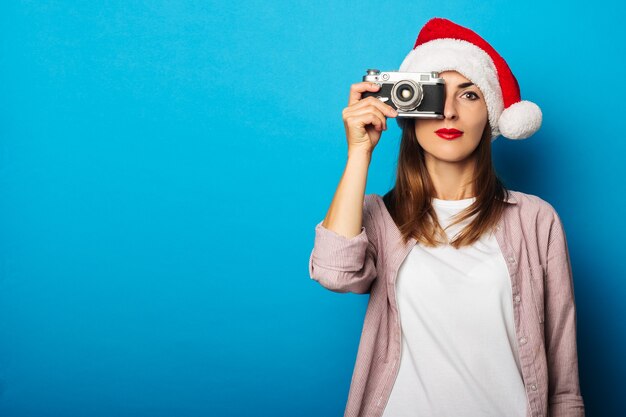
564, 397
344, 215
343, 257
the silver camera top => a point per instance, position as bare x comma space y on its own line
376, 76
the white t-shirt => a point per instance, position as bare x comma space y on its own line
459, 350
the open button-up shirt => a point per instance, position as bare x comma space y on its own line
531, 237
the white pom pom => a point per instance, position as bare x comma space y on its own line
520, 120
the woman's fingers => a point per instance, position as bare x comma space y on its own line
386, 109
357, 89
371, 115
365, 119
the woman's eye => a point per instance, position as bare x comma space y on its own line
474, 95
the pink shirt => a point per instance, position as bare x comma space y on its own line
533, 242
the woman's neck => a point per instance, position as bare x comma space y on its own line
452, 180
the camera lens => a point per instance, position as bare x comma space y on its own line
407, 95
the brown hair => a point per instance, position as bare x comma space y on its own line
409, 202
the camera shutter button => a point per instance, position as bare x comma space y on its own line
385, 76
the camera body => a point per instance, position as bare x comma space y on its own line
411, 94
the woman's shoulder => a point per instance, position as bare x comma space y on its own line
371, 205
532, 204
375, 203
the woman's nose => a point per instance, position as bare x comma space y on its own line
449, 110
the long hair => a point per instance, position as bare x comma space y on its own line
410, 204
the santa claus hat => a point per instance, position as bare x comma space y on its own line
443, 45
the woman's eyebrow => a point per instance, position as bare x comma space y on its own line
465, 85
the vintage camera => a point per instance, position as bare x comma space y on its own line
411, 94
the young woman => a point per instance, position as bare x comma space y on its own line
471, 309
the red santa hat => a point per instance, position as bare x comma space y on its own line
443, 45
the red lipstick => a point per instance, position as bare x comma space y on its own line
448, 134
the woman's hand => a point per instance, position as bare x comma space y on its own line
365, 119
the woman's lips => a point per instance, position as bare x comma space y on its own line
448, 134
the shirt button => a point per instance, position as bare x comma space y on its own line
517, 299
511, 259
523, 340
533, 387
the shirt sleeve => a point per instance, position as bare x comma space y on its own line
564, 397
343, 264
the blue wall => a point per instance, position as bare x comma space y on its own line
163, 165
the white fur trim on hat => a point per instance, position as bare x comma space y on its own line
475, 64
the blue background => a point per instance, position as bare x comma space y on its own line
163, 165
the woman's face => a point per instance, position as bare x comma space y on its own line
465, 110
